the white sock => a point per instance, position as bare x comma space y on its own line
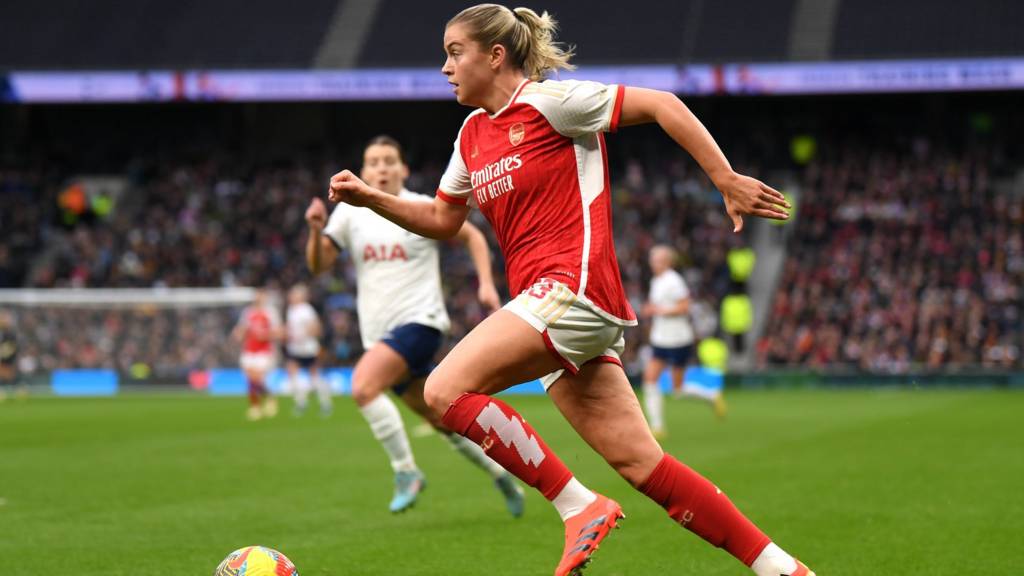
573, 499
323, 389
474, 454
773, 561
386, 423
299, 392
654, 405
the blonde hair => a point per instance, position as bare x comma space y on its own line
528, 38
670, 253
299, 291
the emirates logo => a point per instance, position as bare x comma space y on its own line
516, 133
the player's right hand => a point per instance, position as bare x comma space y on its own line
316, 214
348, 188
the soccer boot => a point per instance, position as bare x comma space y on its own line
584, 533
719, 406
254, 413
514, 499
270, 407
408, 486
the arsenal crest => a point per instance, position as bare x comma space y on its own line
516, 132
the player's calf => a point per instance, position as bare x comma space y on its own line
506, 437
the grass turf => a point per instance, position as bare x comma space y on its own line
853, 482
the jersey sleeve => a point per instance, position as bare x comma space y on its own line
575, 108
337, 226
455, 182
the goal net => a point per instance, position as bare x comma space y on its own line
158, 335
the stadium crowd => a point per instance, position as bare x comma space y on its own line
900, 261
901, 258
211, 223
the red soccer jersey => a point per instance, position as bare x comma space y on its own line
259, 324
538, 170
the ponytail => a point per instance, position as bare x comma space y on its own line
529, 39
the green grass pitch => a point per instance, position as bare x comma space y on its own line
854, 482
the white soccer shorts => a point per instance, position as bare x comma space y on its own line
257, 361
572, 329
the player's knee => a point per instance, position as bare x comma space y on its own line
436, 395
652, 371
362, 392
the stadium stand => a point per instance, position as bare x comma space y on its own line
927, 29
210, 35
902, 259
162, 35
658, 40
195, 217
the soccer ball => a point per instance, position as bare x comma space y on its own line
256, 561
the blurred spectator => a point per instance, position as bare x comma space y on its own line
901, 260
213, 223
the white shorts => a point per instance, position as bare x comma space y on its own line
257, 361
574, 331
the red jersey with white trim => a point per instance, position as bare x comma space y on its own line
538, 170
259, 325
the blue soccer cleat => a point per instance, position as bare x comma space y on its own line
513, 493
408, 486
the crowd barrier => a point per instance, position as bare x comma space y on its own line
231, 382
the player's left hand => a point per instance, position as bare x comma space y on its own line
348, 188
487, 294
749, 196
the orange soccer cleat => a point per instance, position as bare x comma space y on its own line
584, 533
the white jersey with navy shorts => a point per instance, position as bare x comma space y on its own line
670, 330
301, 322
398, 280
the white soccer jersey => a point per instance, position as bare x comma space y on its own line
301, 321
398, 272
667, 289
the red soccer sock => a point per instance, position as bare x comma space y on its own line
693, 501
508, 440
256, 391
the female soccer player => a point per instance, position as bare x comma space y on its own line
532, 159
258, 328
671, 338
302, 351
402, 316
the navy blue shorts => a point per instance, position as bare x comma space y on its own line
303, 361
417, 345
674, 356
